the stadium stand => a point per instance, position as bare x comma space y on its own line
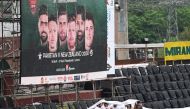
159, 86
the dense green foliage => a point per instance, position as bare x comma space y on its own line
151, 22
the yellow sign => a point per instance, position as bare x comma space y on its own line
177, 50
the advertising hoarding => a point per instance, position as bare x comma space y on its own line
177, 50
65, 40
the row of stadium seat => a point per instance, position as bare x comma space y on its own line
173, 77
82, 104
169, 104
41, 106
6, 102
152, 70
161, 95
149, 87
160, 78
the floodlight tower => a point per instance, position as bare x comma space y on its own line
172, 30
171, 6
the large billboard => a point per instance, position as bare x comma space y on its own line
62, 39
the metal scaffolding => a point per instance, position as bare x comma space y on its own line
10, 32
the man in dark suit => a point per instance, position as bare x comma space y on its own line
62, 24
89, 31
43, 25
80, 27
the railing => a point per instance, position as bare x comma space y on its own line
142, 51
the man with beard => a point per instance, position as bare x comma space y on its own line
71, 34
52, 38
62, 24
80, 27
43, 26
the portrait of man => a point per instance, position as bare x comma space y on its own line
53, 31
33, 6
71, 34
62, 24
89, 31
80, 27
43, 25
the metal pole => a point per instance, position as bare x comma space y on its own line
47, 93
61, 94
130, 86
153, 55
76, 89
94, 88
31, 94
2, 85
145, 52
1, 76
113, 91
